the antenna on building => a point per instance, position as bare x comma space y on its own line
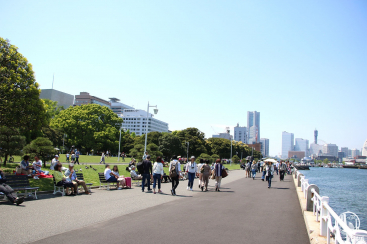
53, 79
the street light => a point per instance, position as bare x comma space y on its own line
118, 157
187, 150
146, 125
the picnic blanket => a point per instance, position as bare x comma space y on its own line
42, 175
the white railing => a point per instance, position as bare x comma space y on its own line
330, 222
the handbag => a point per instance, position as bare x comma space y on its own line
224, 173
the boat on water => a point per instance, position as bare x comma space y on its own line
350, 166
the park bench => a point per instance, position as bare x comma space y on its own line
59, 189
80, 176
21, 183
103, 183
136, 181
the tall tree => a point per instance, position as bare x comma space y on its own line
196, 140
10, 142
51, 108
20, 105
220, 146
170, 145
89, 127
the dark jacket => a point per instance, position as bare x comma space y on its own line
3, 178
147, 167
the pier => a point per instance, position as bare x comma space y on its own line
245, 211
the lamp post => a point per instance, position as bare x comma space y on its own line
187, 150
118, 157
146, 125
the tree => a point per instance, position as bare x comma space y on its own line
20, 105
326, 161
89, 127
51, 108
170, 145
153, 151
42, 147
215, 157
137, 152
152, 137
235, 159
203, 156
196, 140
10, 142
220, 146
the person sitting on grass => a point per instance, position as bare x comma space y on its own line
111, 177
70, 173
121, 178
61, 179
8, 191
54, 161
25, 167
37, 165
134, 175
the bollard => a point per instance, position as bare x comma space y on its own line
299, 179
305, 183
323, 214
295, 174
309, 196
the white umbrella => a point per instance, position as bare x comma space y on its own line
270, 160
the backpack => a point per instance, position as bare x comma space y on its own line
140, 167
173, 171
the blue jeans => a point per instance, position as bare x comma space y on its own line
264, 173
191, 179
145, 177
253, 173
157, 177
269, 180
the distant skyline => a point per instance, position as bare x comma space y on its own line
301, 64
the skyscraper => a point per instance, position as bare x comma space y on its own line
240, 133
345, 151
330, 150
315, 134
264, 147
287, 143
253, 126
301, 145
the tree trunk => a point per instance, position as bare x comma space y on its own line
5, 159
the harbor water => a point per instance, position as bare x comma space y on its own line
346, 189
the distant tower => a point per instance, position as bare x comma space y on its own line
315, 133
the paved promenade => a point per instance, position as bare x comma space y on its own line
245, 211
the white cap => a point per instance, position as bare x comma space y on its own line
71, 165
192, 157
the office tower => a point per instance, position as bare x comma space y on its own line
315, 134
330, 150
264, 146
63, 99
345, 151
301, 145
240, 133
85, 98
253, 126
287, 143
354, 152
117, 107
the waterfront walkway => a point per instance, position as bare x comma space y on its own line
245, 211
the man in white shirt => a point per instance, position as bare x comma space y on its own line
191, 169
37, 165
198, 171
54, 161
175, 180
111, 177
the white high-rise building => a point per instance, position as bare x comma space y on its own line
330, 150
301, 145
287, 143
135, 120
240, 133
345, 151
117, 107
264, 146
253, 126
355, 153
364, 149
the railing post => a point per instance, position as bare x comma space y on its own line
310, 195
299, 179
305, 186
324, 214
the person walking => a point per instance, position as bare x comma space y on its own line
248, 168
102, 158
253, 169
282, 169
218, 168
206, 171
200, 165
191, 169
261, 166
77, 154
174, 170
147, 173
157, 174
269, 173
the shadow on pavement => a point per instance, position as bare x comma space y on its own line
281, 188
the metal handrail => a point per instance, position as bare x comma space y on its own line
321, 208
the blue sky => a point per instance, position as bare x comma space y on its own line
301, 64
